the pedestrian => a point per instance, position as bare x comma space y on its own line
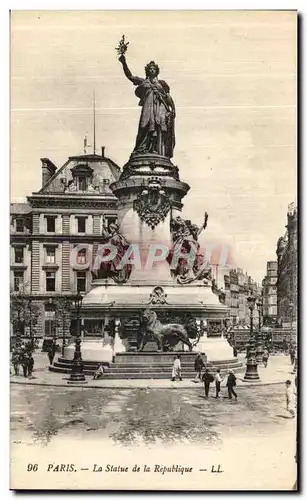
207, 379
198, 366
218, 380
290, 398
15, 362
99, 372
51, 352
231, 383
235, 350
265, 357
24, 364
176, 369
30, 364
292, 355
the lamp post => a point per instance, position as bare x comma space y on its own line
77, 374
251, 363
259, 348
291, 315
50, 302
30, 323
65, 307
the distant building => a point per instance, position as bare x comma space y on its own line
269, 287
287, 271
70, 208
237, 287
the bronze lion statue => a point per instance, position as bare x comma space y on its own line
166, 336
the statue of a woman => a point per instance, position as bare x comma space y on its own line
156, 127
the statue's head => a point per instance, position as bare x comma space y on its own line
152, 69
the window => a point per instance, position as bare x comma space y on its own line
50, 224
81, 256
50, 255
81, 281
19, 225
18, 281
81, 221
19, 255
82, 183
50, 281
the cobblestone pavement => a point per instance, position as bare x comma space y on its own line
253, 438
150, 415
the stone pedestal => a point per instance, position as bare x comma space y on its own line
216, 349
149, 191
92, 350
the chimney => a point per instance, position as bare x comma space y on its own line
48, 170
102, 151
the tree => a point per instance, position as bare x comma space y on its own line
23, 312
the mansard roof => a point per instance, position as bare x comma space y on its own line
104, 172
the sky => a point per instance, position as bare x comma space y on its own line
232, 77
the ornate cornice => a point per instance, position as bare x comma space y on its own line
72, 201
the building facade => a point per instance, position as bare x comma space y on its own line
287, 271
73, 206
269, 287
237, 287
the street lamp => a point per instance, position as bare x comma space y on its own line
251, 363
259, 348
30, 323
65, 306
50, 302
77, 374
291, 315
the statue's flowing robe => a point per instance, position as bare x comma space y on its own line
156, 131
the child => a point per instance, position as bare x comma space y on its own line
290, 398
265, 357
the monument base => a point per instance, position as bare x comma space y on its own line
92, 350
216, 349
148, 364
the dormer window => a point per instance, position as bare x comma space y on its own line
82, 176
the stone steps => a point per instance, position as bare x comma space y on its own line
158, 366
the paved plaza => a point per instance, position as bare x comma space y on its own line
255, 432
52, 421
149, 415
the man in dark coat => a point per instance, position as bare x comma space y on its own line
24, 364
207, 379
198, 366
51, 352
231, 383
30, 364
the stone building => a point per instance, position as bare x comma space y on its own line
70, 209
238, 286
269, 287
287, 271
